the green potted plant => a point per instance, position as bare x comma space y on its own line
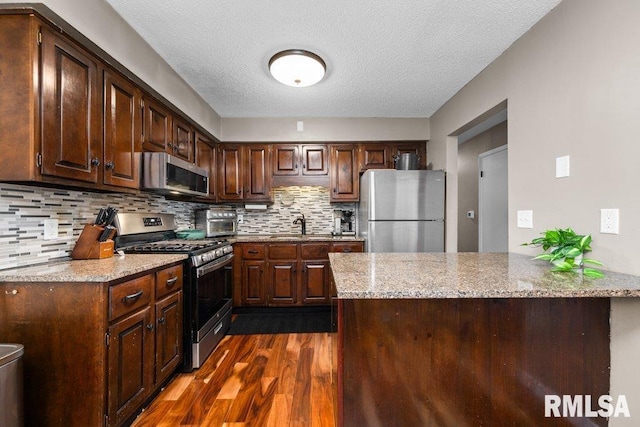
567, 251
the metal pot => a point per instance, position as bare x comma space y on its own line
406, 161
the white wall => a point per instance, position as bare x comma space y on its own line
572, 84
325, 129
97, 20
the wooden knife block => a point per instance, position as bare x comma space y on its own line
88, 246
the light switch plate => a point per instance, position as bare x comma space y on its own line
609, 221
50, 229
562, 167
300, 126
525, 219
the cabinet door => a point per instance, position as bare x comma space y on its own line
315, 282
182, 139
347, 247
254, 287
168, 336
122, 131
257, 173
315, 160
157, 127
344, 184
206, 158
282, 283
286, 160
130, 365
374, 156
71, 109
230, 176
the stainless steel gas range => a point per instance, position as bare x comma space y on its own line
208, 278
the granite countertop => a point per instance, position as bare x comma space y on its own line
466, 275
90, 270
266, 238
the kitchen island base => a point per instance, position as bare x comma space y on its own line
457, 362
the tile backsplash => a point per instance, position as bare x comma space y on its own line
23, 210
289, 203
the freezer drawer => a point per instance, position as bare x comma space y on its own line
405, 236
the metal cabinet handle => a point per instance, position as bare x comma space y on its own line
150, 326
170, 144
296, 166
304, 166
161, 320
132, 296
171, 282
334, 190
252, 252
110, 165
346, 250
95, 161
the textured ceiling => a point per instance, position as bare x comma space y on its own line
384, 59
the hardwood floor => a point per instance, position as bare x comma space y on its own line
252, 380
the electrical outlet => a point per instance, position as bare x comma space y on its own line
240, 218
525, 219
50, 229
609, 221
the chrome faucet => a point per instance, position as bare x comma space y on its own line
303, 223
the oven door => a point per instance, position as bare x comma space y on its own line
213, 292
221, 227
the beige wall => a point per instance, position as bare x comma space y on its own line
325, 129
468, 153
572, 85
97, 20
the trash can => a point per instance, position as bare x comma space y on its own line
11, 409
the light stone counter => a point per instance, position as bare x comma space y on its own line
294, 238
91, 270
465, 275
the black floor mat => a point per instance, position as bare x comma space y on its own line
281, 323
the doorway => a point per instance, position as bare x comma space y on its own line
493, 221
485, 136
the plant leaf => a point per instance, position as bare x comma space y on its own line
592, 261
592, 272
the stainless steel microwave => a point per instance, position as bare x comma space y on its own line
166, 174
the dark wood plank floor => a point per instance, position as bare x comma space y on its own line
252, 380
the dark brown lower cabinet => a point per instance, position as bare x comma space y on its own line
469, 362
94, 352
286, 273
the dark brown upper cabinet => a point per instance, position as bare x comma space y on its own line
244, 172
158, 125
374, 156
182, 144
300, 164
206, 159
122, 131
344, 177
71, 109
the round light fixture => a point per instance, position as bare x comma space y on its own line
297, 67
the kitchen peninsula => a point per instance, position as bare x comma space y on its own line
467, 338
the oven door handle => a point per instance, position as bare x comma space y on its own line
219, 263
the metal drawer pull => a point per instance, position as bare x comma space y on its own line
252, 252
171, 282
132, 296
161, 320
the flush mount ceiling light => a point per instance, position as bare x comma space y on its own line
297, 67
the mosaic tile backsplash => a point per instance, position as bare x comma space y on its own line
23, 210
289, 203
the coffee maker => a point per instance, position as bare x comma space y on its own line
343, 221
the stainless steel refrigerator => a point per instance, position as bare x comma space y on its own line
402, 210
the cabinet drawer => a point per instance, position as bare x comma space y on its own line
283, 251
253, 251
347, 247
315, 250
168, 280
130, 296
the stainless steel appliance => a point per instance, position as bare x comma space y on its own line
167, 174
402, 210
208, 278
217, 222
